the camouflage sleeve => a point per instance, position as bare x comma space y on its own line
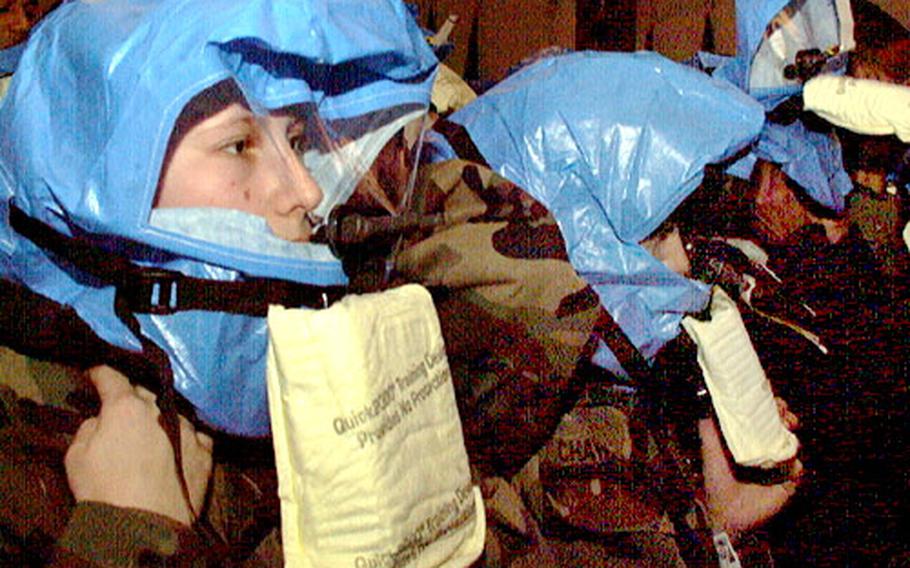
516, 317
104, 535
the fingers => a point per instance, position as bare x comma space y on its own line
796, 475
197, 462
145, 394
86, 429
123, 456
782, 406
189, 433
790, 420
109, 383
205, 441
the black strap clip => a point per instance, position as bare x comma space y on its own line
152, 291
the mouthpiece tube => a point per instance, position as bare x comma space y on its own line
348, 228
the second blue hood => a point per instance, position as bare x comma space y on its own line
769, 35
612, 143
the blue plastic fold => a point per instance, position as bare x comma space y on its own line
85, 125
812, 159
612, 143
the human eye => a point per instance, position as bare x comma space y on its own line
238, 138
236, 147
297, 138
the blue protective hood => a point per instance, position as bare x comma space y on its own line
812, 159
769, 35
752, 19
612, 143
85, 126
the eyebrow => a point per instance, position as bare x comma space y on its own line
230, 117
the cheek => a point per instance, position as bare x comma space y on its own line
779, 217
670, 250
204, 183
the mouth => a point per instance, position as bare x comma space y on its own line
308, 226
298, 231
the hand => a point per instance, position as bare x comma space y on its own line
123, 457
734, 505
790, 420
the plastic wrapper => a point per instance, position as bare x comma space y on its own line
740, 391
372, 468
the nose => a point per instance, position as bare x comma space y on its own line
292, 192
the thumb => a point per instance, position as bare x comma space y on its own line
109, 383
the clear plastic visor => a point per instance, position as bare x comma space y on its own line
825, 25
264, 180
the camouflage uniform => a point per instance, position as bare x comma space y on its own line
41, 406
563, 481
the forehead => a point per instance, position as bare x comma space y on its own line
207, 104
222, 104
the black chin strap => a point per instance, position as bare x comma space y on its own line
153, 290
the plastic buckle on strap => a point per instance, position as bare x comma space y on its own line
153, 291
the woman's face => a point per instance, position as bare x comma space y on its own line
234, 159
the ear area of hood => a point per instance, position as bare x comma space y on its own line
611, 144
